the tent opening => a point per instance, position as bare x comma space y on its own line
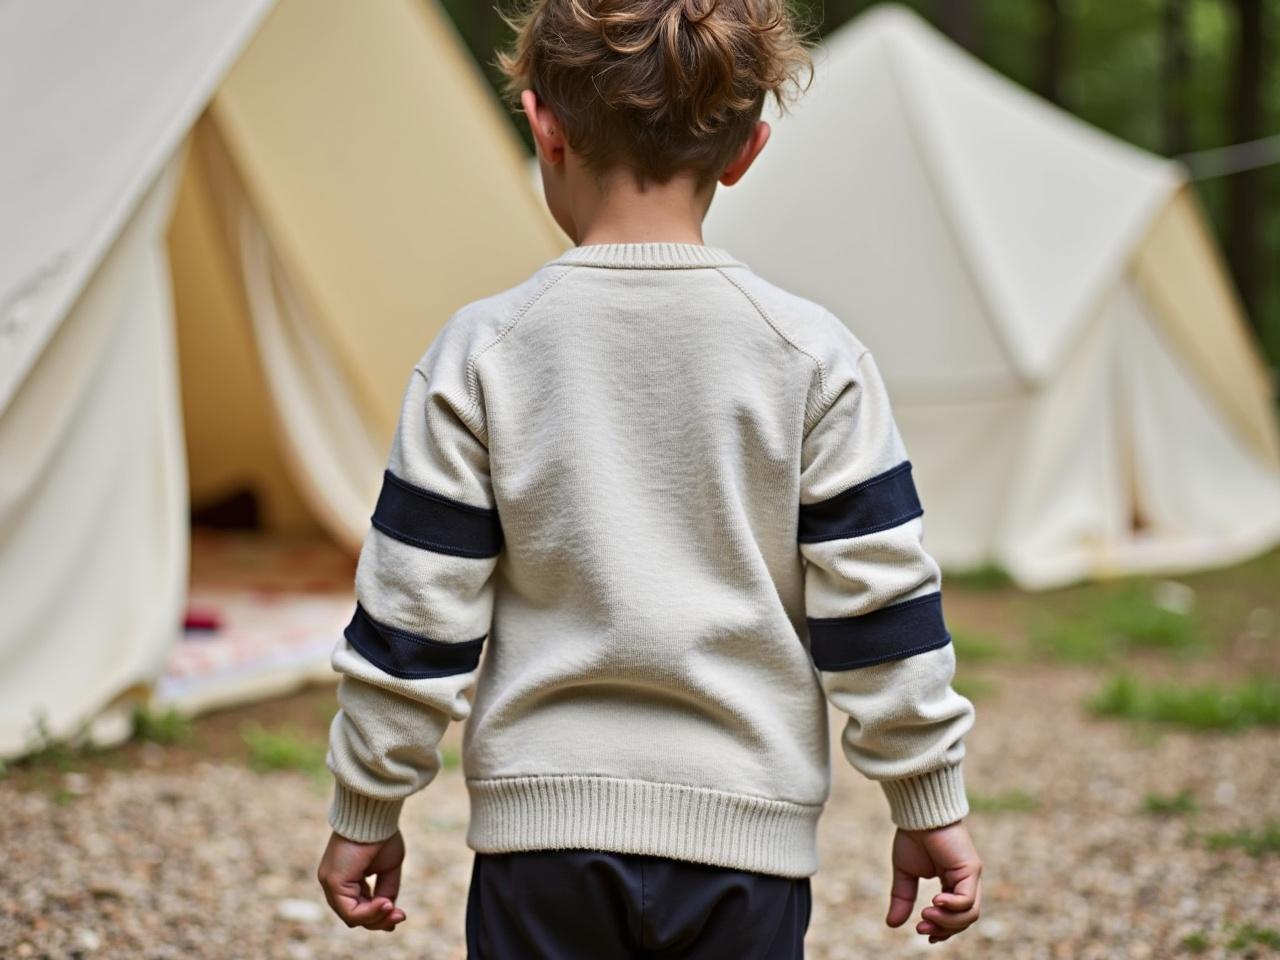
269, 586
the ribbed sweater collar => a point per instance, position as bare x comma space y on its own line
656, 255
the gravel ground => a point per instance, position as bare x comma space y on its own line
154, 858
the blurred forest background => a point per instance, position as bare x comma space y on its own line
1182, 78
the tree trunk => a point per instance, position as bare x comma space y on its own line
1177, 73
1244, 189
1053, 44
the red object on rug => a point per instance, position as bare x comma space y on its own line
201, 620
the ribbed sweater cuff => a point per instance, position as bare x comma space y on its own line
928, 800
362, 818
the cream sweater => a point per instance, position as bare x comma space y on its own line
645, 515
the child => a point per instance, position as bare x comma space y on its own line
669, 503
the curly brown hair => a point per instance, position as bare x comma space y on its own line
659, 86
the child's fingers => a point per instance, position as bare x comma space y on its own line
954, 922
388, 884
932, 930
962, 897
363, 912
902, 897
387, 921
369, 911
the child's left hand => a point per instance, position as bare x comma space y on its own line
342, 873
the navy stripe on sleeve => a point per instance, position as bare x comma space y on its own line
409, 656
885, 500
890, 633
422, 518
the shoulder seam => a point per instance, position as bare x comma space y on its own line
475, 416
821, 368
826, 404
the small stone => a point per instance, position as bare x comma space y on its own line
76, 784
106, 890
300, 911
991, 929
87, 939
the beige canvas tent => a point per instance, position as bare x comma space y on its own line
217, 268
1075, 381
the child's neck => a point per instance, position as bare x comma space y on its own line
618, 212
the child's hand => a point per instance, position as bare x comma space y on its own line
342, 873
946, 853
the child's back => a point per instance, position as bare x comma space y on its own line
668, 503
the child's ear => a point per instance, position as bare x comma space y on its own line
746, 155
546, 129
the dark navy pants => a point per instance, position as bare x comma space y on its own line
598, 905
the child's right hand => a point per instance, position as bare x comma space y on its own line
944, 852
342, 873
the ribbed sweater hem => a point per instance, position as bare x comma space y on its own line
739, 831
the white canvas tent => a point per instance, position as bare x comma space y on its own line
219, 218
1075, 382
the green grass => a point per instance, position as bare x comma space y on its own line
67, 752
166, 728
450, 759
977, 647
1159, 804
1010, 801
975, 688
1256, 842
987, 577
1245, 936
1197, 942
1112, 621
1205, 707
1250, 935
284, 748
44, 750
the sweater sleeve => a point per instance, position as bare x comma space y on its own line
873, 601
424, 601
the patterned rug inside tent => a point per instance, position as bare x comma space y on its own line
263, 615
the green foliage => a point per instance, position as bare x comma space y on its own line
1197, 942
1244, 936
46, 750
987, 577
450, 759
1206, 707
1250, 935
167, 728
1112, 621
977, 647
975, 688
1165, 805
284, 748
1010, 801
1112, 74
1256, 842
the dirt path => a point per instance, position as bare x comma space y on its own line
178, 852
204, 858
